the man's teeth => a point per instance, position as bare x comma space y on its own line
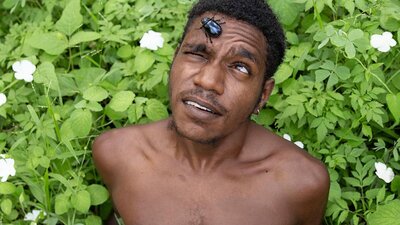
199, 106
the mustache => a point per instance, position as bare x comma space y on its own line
209, 96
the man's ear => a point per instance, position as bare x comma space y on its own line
265, 93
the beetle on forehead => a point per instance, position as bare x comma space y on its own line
211, 27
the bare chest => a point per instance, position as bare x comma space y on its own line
174, 198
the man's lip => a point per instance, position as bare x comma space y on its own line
213, 108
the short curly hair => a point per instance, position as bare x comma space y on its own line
255, 12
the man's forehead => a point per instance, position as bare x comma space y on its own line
225, 22
232, 30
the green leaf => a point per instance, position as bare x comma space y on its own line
95, 94
350, 50
395, 184
135, 112
350, 6
289, 111
156, 76
94, 106
343, 72
121, 101
335, 191
287, 10
338, 40
6, 206
46, 75
71, 18
7, 188
81, 122
387, 214
381, 194
143, 61
81, 201
78, 125
33, 114
53, 43
321, 75
9, 4
125, 52
83, 36
355, 34
88, 77
265, 117
98, 194
321, 132
351, 195
333, 79
393, 102
352, 181
155, 110
93, 220
62, 204
283, 73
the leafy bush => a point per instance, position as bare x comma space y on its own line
335, 93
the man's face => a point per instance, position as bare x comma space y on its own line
215, 86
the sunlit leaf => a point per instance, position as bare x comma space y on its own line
155, 110
393, 102
387, 214
81, 201
83, 36
121, 101
53, 43
71, 18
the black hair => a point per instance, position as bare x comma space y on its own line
254, 12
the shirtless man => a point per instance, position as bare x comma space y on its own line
208, 164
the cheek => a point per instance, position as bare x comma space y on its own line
243, 100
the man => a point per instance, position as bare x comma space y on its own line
208, 164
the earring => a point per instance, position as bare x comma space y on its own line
258, 111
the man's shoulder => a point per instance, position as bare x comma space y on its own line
117, 149
127, 136
293, 167
300, 169
301, 179
126, 141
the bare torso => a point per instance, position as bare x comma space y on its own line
269, 182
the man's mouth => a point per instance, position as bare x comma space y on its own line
203, 106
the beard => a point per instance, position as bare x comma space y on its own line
213, 141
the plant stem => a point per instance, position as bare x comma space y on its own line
9, 86
376, 76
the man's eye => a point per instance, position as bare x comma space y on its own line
195, 54
242, 68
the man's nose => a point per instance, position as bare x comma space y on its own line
211, 77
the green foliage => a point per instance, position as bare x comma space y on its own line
340, 96
334, 92
91, 76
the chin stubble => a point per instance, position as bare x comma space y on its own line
174, 127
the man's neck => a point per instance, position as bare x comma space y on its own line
206, 157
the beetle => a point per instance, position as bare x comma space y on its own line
211, 27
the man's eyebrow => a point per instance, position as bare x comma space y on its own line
245, 53
195, 47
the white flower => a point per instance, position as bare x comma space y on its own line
152, 40
3, 99
384, 172
383, 42
32, 216
6, 168
23, 70
287, 137
298, 143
